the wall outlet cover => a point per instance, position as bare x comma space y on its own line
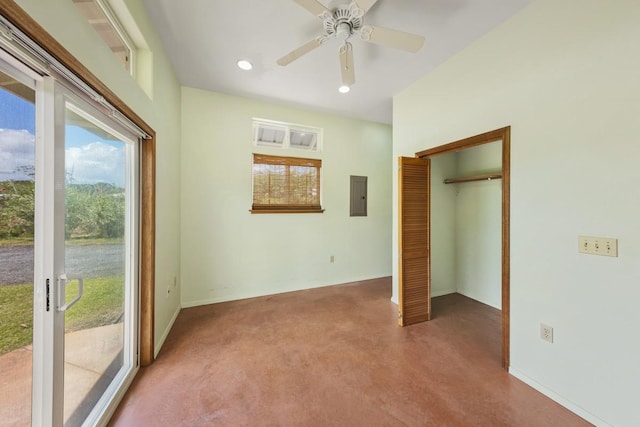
546, 333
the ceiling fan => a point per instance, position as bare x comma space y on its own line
343, 22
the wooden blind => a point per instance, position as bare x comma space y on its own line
285, 184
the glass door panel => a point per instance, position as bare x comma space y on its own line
99, 250
68, 252
17, 198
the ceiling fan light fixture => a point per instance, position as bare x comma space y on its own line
243, 64
343, 19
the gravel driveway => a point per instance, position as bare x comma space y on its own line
16, 262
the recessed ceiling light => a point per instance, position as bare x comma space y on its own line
344, 89
243, 64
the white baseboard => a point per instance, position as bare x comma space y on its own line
227, 298
442, 293
272, 291
165, 334
433, 295
559, 399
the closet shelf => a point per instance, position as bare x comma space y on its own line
483, 177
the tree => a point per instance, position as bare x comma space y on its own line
92, 210
77, 205
17, 204
108, 211
95, 210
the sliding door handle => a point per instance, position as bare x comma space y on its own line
63, 281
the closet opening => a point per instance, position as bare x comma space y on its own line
454, 227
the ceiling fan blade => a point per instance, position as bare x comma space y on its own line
346, 65
313, 6
392, 38
365, 5
302, 50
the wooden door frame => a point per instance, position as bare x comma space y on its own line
503, 134
18, 17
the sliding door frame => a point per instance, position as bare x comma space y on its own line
504, 135
18, 17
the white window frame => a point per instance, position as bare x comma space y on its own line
75, 102
288, 128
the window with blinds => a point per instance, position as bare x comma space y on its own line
286, 184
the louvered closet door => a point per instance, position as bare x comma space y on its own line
414, 276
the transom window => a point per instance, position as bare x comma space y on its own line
268, 133
286, 184
104, 21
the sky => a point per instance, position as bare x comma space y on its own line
90, 158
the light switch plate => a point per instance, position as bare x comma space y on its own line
605, 246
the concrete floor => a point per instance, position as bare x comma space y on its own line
89, 355
334, 357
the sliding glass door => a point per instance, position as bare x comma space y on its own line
69, 253
17, 192
100, 262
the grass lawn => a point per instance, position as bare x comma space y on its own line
101, 304
16, 241
16, 316
74, 241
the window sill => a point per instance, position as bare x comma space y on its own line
285, 211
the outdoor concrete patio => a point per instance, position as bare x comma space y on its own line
90, 353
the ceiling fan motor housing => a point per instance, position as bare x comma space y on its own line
343, 21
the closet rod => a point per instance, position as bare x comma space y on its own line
483, 177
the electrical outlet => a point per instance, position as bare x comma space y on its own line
546, 333
584, 245
605, 246
331, 259
610, 247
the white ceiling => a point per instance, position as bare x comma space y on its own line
205, 38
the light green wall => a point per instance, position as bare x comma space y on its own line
564, 75
228, 253
62, 20
478, 223
443, 225
466, 225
